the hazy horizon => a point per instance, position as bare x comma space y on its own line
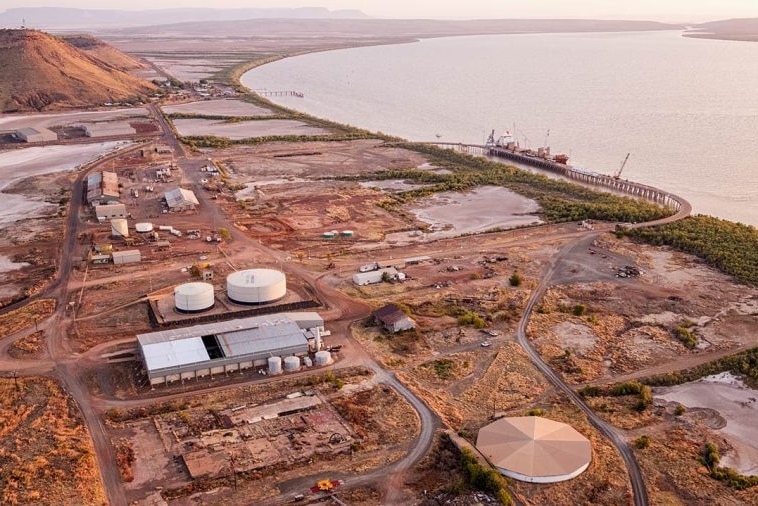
680, 11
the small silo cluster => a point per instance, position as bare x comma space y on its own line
256, 286
194, 297
274, 365
323, 357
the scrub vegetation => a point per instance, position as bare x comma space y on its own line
728, 246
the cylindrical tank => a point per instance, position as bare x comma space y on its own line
323, 357
307, 362
194, 297
274, 365
144, 227
291, 364
256, 286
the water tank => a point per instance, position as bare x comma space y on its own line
323, 357
144, 227
307, 362
291, 364
194, 297
256, 286
274, 365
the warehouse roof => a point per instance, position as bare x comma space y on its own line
261, 339
257, 335
180, 196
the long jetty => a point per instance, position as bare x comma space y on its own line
281, 93
639, 190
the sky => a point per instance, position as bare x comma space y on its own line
657, 10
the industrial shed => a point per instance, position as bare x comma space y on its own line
102, 188
216, 348
180, 199
108, 211
372, 277
535, 449
394, 319
36, 135
110, 129
126, 257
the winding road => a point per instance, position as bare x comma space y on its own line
342, 312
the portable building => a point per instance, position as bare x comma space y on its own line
126, 257
372, 277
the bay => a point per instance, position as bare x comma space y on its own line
686, 109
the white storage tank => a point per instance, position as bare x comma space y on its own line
307, 362
323, 357
274, 365
194, 297
291, 364
256, 286
144, 227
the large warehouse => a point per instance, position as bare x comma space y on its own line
102, 188
217, 348
36, 134
108, 129
534, 449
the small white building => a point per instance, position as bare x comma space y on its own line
373, 277
36, 135
110, 211
126, 257
180, 199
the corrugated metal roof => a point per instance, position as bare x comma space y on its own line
262, 339
180, 197
165, 354
257, 336
306, 319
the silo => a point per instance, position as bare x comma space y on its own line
323, 357
274, 365
194, 297
256, 286
291, 364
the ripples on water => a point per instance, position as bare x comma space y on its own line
685, 108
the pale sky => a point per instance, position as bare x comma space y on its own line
659, 10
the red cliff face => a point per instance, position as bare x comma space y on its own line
42, 72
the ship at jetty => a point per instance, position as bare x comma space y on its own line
506, 146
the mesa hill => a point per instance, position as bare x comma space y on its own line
103, 52
41, 72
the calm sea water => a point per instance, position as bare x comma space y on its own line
686, 109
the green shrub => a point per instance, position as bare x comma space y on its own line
686, 336
642, 442
444, 368
579, 310
679, 411
535, 412
515, 279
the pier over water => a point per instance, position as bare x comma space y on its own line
638, 190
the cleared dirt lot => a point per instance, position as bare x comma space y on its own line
218, 108
244, 129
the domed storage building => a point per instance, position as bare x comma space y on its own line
256, 286
194, 297
535, 449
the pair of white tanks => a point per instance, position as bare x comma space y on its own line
251, 286
292, 363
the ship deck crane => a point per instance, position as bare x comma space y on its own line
617, 174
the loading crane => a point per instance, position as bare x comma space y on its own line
617, 175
